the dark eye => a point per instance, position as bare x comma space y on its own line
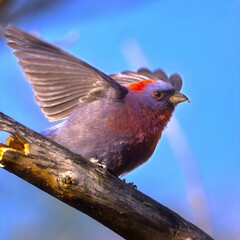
157, 95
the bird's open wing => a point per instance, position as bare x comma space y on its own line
143, 73
59, 80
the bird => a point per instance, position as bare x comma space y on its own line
115, 120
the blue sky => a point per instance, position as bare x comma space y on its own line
195, 168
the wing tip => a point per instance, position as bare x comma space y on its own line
175, 79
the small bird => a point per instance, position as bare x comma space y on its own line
116, 119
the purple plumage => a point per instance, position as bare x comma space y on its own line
116, 119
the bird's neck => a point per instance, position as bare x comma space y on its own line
156, 122
149, 124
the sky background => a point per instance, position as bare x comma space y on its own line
195, 170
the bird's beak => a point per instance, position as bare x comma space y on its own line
178, 97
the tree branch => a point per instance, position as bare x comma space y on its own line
89, 188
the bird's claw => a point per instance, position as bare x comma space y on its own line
131, 184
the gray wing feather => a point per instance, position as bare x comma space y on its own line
59, 80
176, 81
128, 77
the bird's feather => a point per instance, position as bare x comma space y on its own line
59, 79
128, 77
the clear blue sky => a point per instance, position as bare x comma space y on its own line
196, 167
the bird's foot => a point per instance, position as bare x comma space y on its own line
98, 163
131, 184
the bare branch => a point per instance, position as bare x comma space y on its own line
89, 188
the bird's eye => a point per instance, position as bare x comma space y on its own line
157, 95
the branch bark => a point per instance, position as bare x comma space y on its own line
89, 188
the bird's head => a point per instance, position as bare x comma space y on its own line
157, 95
